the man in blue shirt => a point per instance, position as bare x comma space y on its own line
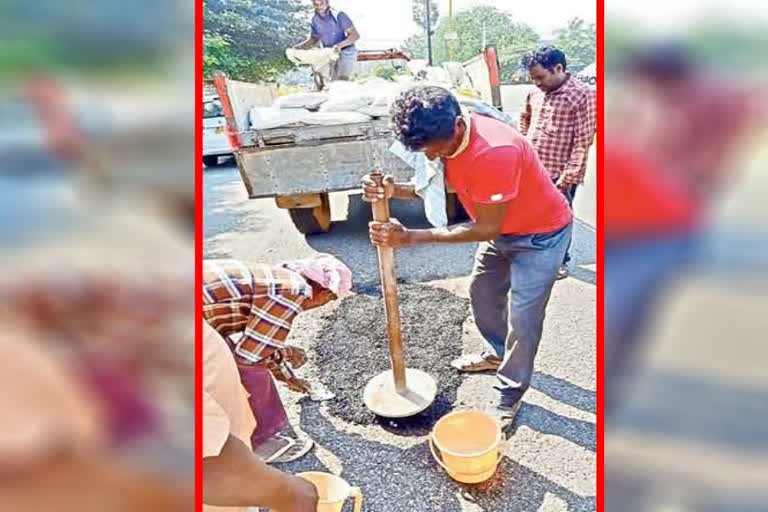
333, 29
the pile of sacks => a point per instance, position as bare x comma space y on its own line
345, 102
341, 103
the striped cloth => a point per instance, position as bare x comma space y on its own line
257, 302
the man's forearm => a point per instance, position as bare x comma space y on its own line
573, 171
228, 479
461, 233
278, 368
306, 44
525, 117
524, 123
347, 42
405, 191
351, 39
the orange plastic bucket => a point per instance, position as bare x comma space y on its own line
466, 444
333, 491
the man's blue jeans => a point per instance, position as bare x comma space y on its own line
570, 195
511, 283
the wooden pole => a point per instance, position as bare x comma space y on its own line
429, 32
389, 287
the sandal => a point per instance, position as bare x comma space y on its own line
476, 363
281, 448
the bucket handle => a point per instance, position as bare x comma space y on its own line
357, 494
433, 449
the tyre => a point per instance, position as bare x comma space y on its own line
311, 221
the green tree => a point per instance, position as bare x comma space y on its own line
420, 13
417, 46
247, 38
217, 55
475, 26
578, 42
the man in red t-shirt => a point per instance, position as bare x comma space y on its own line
522, 220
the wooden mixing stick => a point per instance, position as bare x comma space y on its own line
389, 287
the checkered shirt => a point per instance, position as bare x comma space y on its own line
259, 302
561, 126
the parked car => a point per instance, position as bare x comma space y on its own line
215, 142
588, 75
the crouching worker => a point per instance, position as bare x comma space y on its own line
253, 306
234, 479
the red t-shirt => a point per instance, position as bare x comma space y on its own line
499, 165
640, 198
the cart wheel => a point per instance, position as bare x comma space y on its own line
310, 221
454, 209
211, 160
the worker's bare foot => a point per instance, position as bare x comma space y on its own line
283, 448
476, 363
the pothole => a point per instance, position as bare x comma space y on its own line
352, 347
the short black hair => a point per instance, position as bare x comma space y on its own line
546, 56
424, 114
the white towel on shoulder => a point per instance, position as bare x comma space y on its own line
429, 182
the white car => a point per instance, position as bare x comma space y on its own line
215, 142
588, 75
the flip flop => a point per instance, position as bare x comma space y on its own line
292, 449
476, 363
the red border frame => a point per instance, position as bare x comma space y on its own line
198, 255
599, 253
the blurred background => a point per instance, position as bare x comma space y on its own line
96, 239
686, 266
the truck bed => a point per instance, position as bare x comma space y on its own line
299, 135
319, 159
311, 159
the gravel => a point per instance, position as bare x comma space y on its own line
353, 347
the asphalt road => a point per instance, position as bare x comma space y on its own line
549, 462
